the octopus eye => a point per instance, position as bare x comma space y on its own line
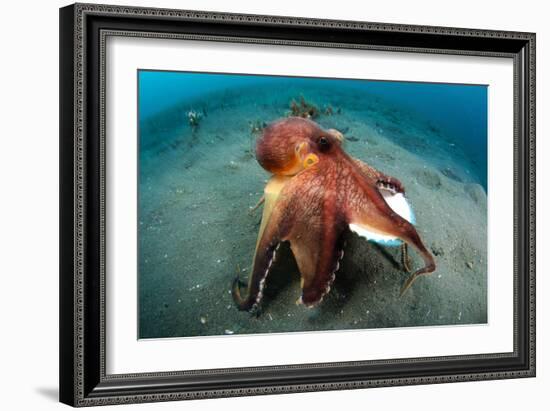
324, 143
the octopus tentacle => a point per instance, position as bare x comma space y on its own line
305, 213
390, 184
390, 223
313, 294
405, 260
367, 210
257, 205
381, 180
380, 218
429, 267
256, 283
316, 234
272, 228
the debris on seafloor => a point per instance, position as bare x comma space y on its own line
437, 250
232, 165
328, 110
194, 118
303, 108
257, 126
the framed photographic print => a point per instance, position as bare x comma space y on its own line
261, 204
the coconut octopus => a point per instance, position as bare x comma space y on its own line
317, 193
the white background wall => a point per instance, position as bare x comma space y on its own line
29, 204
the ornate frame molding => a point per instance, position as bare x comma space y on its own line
82, 336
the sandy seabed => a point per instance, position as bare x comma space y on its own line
196, 231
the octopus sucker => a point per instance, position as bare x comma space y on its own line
256, 283
317, 193
328, 286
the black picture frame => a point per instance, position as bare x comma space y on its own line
83, 29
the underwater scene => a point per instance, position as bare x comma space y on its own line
271, 204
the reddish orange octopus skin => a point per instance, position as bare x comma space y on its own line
316, 206
275, 150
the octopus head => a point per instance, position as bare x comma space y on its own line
293, 144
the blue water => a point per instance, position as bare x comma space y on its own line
457, 111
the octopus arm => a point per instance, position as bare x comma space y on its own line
368, 214
316, 233
318, 251
382, 181
272, 229
301, 212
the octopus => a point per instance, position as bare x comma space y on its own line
316, 194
